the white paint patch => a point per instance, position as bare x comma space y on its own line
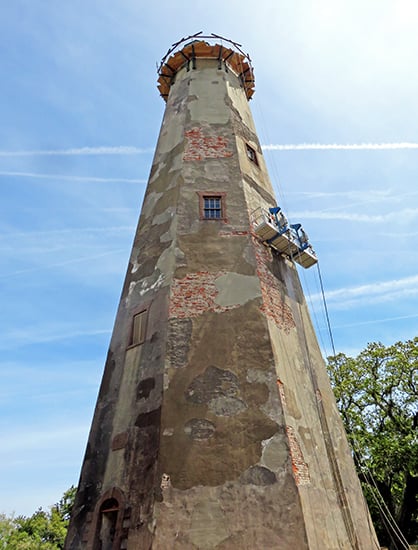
144, 286
135, 267
132, 285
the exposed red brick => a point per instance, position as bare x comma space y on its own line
299, 466
200, 147
280, 387
195, 294
273, 305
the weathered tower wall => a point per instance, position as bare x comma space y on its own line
215, 425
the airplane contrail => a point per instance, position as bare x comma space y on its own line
131, 150
116, 150
70, 177
339, 146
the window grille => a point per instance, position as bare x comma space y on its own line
212, 208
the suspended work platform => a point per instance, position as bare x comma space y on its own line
273, 229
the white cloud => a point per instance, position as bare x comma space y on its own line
377, 292
115, 150
57, 232
376, 321
70, 177
339, 146
132, 150
32, 440
365, 195
400, 215
64, 263
32, 336
38, 372
343, 216
375, 288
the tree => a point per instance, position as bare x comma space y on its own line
41, 531
377, 396
7, 526
65, 505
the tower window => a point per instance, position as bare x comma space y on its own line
109, 516
107, 531
251, 154
138, 328
212, 206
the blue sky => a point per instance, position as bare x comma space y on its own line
80, 115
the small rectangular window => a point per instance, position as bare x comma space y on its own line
212, 205
138, 328
212, 208
251, 154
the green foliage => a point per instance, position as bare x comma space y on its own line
41, 531
7, 526
66, 503
377, 395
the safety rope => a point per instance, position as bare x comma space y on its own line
335, 470
319, 330
388, 519
386, 514
326, 310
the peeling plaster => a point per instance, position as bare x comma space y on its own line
164, 217
238, 101
199, 429
144, 286
258, 376
166, 262
135, 264
234, 288
149, 203
207, 106
176, 165
171, 135
208, 526
275, 454
226, 406
258, 475
168, 236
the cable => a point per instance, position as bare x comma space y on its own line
314, 313
326, 310
389, 520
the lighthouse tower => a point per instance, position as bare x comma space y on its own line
215, 425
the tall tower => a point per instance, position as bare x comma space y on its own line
215, 425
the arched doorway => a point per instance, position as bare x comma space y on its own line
108, 521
